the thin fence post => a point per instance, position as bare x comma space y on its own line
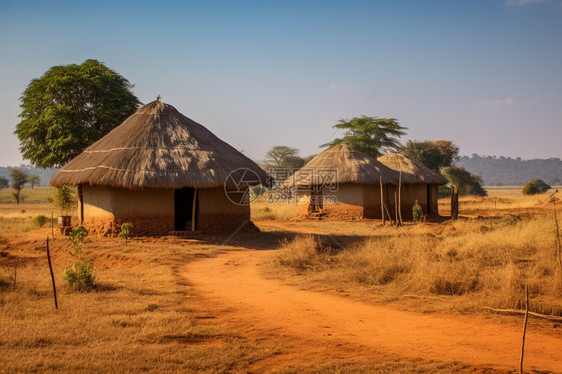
52, 275
524, 328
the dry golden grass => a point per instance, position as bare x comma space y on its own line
468, 264
266, 209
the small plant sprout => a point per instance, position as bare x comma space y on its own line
417, 212
126, 229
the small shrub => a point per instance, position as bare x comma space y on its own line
536, 186
125, 232
417, 212
80, 276
40, 220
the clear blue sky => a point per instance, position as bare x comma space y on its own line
486, 74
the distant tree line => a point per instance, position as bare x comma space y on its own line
506, 171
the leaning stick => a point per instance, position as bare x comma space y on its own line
52, 275
524, 328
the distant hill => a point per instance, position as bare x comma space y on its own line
43, 174
506, 171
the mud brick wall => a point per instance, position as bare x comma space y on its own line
144, 225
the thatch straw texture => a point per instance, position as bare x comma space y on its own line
413, 171
156, 147
352, 167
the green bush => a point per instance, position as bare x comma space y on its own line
125, 232
40, 220
536, 186
80, 276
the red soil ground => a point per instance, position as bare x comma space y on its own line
313, 327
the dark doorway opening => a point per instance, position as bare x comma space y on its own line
429, 199
184, 200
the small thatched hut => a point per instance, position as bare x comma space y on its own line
341, 183
418, 183
160, 171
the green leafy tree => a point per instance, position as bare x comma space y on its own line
370, 135
4, 182
282, 156
69, 108
435, 154
536, 186
467, 184
19, 179
33, 180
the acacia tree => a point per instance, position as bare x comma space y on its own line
370, 135
282, 156
19, 179
69, 108
435, 154
4, 183
468, 184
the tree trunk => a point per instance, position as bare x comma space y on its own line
454, 202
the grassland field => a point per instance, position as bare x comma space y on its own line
144, 316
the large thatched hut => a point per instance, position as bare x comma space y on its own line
341, 183
418, 183
162, 172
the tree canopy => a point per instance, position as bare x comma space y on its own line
468, 184
69, 108
435, 154
282, 156
371, 135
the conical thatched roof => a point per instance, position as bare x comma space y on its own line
156, 147
413, 171
352, 167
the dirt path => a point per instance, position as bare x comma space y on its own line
319, 326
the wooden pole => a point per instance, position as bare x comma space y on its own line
193, 211
382, 202
400, 198
396, 208
52, 226
524, 328
52, 275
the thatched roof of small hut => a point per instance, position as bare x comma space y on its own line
413, 171
156, 147
352, 167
